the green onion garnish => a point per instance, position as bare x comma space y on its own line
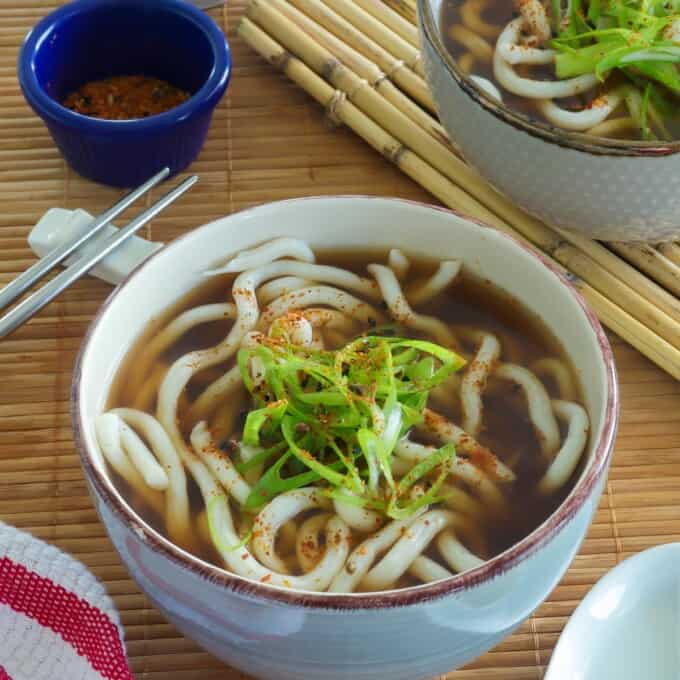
335, 417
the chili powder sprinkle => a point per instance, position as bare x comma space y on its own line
125, 97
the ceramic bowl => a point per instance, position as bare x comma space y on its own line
605, 189
626, 627
92, 39
404, 634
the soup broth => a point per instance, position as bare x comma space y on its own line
492, 503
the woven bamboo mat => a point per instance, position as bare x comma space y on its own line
268, 141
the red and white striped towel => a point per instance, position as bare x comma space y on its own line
56, 620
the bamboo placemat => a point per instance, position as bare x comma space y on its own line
268, 141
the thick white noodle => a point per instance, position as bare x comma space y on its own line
427, 570
320, 295
477, 45
560, 373
278, 287
219, 463
526, 87
461, 501
538, 402
320, 317
107, 429
177, 517
457, 556
446, 274
276, 513
247, 453
568, 456
216, 392
293, 325
173, 332
460, 469
514, 54
446, 431
474, 380
487, 86
401, 311
412, 543
152, 473
471, 16
240, 560
598, 111
145, 395
615, 127
535, 18
308, 550
398, 263
360, 519
267, 252
363, 556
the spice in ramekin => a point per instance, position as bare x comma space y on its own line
125, 97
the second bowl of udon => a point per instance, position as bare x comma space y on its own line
579, 148
324, 457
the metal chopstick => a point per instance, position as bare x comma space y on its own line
35, 302
38, 270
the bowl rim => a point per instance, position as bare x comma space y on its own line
413, 595
206, 96
600, 146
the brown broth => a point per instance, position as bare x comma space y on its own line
470, 302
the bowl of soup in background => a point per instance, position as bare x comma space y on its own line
89, 40
410, 633
607, 189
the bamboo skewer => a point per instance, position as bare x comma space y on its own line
370, 102
651, 261
671, 251
637, 334
380, 32
366, 69
407, 9
393, 19
394, 68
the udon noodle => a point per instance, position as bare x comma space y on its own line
334, 430
605, 67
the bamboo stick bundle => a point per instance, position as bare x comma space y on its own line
651, 261
671, 251
407, 9
394, 20
630, 329
395, 68
379, 31
367, 70
323, 62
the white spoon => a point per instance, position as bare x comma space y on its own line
628, 626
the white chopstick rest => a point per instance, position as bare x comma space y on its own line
58, 225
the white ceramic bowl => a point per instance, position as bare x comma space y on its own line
404, 635
628, 626
606, 189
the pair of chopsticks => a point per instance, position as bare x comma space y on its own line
35, 302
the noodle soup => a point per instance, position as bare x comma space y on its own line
606, 68
344, 422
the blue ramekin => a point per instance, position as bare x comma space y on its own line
92, 39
